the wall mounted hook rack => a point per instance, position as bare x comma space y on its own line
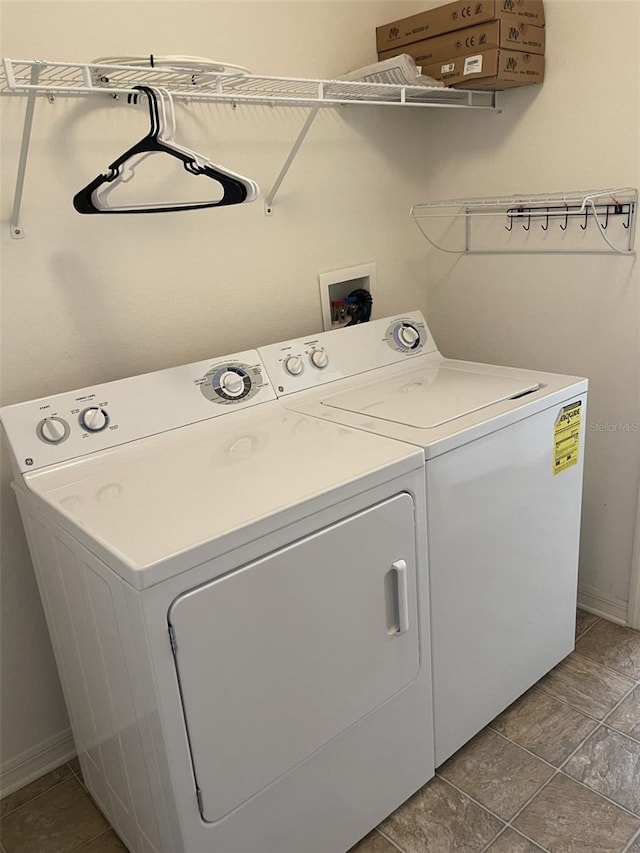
610, 214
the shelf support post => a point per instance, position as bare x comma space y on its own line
268, 203
17, 231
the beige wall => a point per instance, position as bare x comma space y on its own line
567, 313
89, 299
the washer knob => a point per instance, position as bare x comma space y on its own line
232, 383
53, 430
293, 365
409, 336
319, 359
94, 419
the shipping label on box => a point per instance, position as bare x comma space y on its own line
509, 34
456, 16
491, 69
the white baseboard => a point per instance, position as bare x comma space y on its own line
35, 762
602, 604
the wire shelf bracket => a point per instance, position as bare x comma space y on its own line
35, 78
526, 224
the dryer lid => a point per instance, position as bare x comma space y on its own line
146, 506
429, 397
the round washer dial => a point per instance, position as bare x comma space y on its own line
294, 365
319, 358
404, 336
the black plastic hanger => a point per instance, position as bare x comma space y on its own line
235, 188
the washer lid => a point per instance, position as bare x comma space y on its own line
428, 397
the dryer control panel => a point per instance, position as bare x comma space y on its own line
66, 426
315, 360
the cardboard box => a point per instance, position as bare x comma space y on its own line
500, 33
490, 69
456, 16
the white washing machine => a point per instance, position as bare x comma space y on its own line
237, 598
504, 455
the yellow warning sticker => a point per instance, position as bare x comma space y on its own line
566, 437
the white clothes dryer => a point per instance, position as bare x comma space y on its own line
238, 602
504, 453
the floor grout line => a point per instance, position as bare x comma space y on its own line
588, 628
37, 796
506, 823
601, 795
631, 841
617, 672
617, 705
518, 832
629, 691
557, 772
606, 665
477, 802
493, 840
560, 769
618, 732
91, 840
390, 840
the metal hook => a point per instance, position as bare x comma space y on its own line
566, 218
545, 227
606, 219
586, 220
630, 206
527, 227
509, 227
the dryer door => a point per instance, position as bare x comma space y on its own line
280, 656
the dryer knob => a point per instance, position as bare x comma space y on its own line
94, 419
53, 430
319, 359
294, 365
232, 383
409, 336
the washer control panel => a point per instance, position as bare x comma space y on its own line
313, 361
66, 426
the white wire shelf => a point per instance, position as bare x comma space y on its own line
190, 78
70, 78
580, 221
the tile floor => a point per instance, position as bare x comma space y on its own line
558, 771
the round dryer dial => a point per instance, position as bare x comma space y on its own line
53, 430
403, 336
94, 419
230, 383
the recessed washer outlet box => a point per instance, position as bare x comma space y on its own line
337, 285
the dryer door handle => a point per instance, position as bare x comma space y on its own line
400, 568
